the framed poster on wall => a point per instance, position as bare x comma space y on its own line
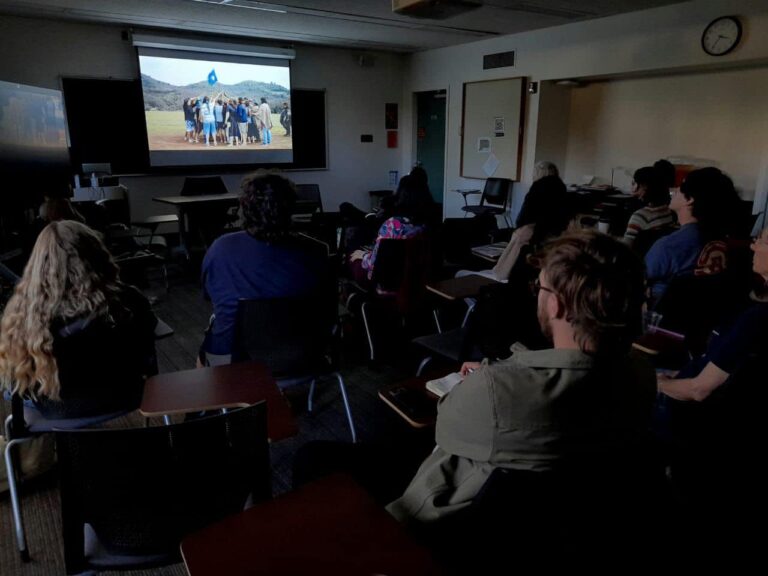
492, 128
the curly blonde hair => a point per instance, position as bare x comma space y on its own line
70, 275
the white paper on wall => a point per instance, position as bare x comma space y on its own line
491, 165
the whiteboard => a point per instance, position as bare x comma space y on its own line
492, 129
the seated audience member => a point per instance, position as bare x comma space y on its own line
265, 260
543, 216
714, 409
584, 397
73, 337
413, 204
648, 187
53, 209
703, 206
544, 168
729, 347
665, 171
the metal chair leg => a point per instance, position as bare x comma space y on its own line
367, 328
167, 420
311, 394
18, 520
436, 316
423, 365
346, 407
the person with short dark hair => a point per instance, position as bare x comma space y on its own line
583, 398
704, 206
666, 172
265, 260
648, 186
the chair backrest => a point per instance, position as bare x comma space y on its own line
143, 489
202, 186
496, 192
695, 305
402, 269
556, 517
290, 335
647, 238
308, 199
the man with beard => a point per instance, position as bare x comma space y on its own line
583, 398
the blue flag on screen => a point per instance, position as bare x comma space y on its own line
212, 79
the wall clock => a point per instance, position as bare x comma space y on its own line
721, 35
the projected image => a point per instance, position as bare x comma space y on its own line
215, 107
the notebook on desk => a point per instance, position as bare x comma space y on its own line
441, 386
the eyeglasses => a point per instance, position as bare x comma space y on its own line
536, 287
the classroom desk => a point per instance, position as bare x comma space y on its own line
467, 192
331, 526
490, 252
184, 203
459, 288
412, 401
666, 348
230, 386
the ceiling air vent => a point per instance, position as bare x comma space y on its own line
435, 9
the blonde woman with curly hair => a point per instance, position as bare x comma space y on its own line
74, 339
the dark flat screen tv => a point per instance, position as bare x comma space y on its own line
34, 151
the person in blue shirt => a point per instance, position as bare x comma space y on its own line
265, 260
703, 205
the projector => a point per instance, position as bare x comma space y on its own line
435, 9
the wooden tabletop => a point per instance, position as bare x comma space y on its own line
229, 197
230, 386
331, 526
458, 288
660, 341
412, 401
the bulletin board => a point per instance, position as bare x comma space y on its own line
492, 129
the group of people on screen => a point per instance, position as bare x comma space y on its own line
221, 119
71, 321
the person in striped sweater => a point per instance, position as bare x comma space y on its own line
655, 213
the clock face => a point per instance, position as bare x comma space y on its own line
721, 36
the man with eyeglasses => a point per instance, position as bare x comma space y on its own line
583, 398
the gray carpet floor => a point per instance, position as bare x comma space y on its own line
184, 309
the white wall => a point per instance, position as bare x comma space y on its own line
653, 41
715, 118
39, 52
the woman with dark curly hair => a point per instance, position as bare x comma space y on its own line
265, 260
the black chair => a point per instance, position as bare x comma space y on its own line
501, 315
647, 238
129, 496
294, 338
22, 426
580, 513
399, 279
696, 305
494, 199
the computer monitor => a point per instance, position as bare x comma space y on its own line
97, 168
